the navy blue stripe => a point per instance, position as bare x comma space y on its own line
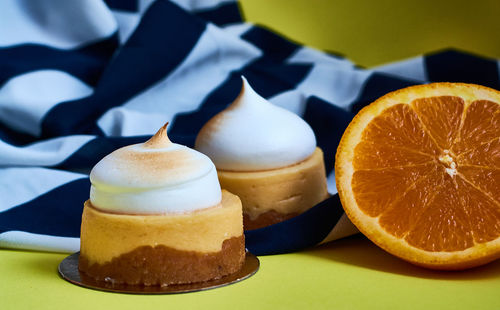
55, 213
93, 151
123, 5
224, 14
165, 35
13, 137
328, 123
377, 85
300, 232
456, 66
267, 77
86, 63
273, 46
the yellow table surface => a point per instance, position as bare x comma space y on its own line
347, 274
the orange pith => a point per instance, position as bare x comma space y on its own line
418, 172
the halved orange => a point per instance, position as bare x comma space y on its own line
418, 172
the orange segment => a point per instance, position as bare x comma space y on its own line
483, 213
485, 179
481, 125
369, 155
486, 154
444, 226
375, 190
418, 172
399, 126
441, 116
404, 213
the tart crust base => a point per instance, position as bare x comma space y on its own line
272, 196
161, 265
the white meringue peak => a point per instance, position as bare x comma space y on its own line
252, 134
154, 177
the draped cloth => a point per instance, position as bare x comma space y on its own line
81, 78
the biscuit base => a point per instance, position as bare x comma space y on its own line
161, 265
163, 249
272, 196
266, 219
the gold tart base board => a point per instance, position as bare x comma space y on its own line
68, 269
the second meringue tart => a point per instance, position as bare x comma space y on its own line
267, 156
157, 216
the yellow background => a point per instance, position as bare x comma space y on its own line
348, 274
372, 32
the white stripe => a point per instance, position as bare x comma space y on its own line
408, 69
26, 98
125, 122
210, 62
309, 55
197, 5
331, 183
237, 29
331, 79
127, 23
292, 100
326, 81
20, 185
28, 241
338, 86
343, 228
45, 153
57, 23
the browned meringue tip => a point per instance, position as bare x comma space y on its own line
159, 140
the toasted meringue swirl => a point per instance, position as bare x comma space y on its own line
253, 134
154, 177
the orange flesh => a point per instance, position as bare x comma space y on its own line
430, 172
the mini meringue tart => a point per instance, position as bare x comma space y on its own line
157, 216
267, 156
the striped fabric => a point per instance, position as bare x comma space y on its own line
80, 78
